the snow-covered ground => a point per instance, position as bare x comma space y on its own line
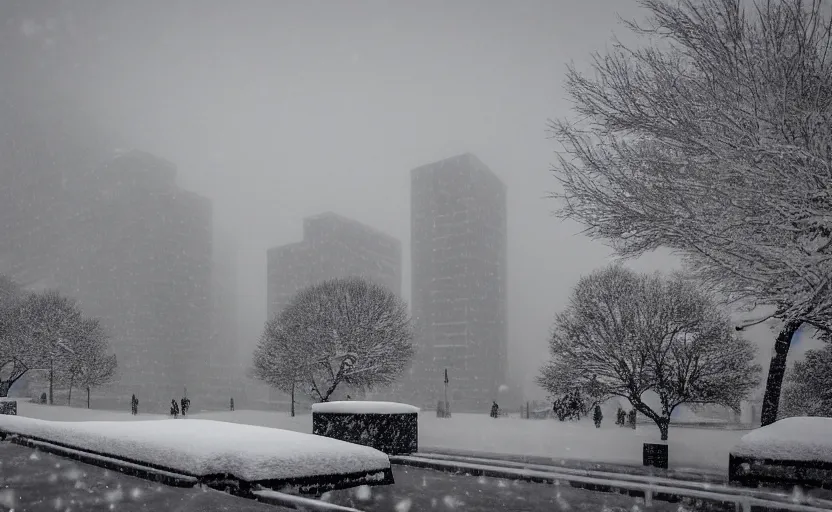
206, 447
689, 447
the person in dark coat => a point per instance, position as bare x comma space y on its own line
495, 409
174, 408
133, 405
232, 403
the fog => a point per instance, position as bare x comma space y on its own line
278, 110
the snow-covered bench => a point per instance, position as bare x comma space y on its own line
240, 458
390, 427
792, 451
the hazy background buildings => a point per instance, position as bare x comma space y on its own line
280, 110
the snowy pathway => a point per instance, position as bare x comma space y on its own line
694, 448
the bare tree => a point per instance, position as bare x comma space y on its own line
346, 331
12, 365
714, 140
808, 389
280, 356
96, 367
36, 336
624, 334
86, 361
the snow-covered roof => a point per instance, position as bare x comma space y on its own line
205, 447
362, 407
801, 439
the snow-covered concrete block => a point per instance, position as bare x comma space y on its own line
790, 451
390, 427
216, 450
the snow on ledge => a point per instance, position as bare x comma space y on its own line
361, 407
206, 447
800, 439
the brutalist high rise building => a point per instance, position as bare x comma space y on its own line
142, 261
333, 246
459, 252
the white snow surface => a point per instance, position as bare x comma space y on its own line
799, 438
695, 448
205, 447
362, 407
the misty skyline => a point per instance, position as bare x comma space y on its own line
281, 110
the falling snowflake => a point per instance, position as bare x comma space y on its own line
404, 505
7, 498
562, 503
73, 474
363, 493
135, 493
114, 496
451, 502
58, 503
53, 478
34, 456
482, 480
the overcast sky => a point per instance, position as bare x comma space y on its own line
277, 110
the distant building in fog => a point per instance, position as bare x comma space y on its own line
333, 246
142, 261
458, 254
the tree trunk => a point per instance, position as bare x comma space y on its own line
88, 397
51, 373
292, 412
776, 371
664, 426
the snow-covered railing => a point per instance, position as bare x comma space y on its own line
390, 427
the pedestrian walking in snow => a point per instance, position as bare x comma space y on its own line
495, 410
174, 408
232, 403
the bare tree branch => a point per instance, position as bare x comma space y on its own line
342, 331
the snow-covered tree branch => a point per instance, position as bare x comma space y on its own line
808, 389
624, 334
715, 141
340, 331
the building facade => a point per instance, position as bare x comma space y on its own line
142, 261
333, 246
459, 273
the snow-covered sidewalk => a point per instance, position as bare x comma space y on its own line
690, 448
201, 447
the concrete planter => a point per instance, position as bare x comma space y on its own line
394, 433
655, 455
8, 407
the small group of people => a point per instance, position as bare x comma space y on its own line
174, 407
134, 405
